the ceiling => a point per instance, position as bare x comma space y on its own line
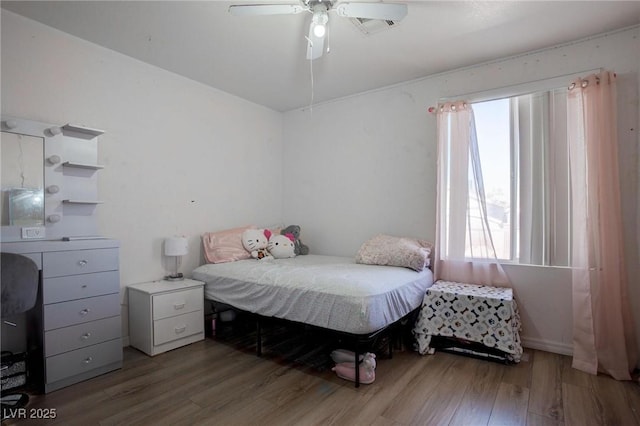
263, 58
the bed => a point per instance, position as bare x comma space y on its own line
333, 293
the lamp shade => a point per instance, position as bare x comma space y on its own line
176, 246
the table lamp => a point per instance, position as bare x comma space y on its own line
175, 247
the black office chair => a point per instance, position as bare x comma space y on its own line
20, 278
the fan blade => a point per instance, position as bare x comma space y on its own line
315, 45
384, 11
266, 9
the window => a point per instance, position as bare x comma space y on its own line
523, 153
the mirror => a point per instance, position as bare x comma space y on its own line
22, 180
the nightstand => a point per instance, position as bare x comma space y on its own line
165, 315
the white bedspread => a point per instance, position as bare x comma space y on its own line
325, 291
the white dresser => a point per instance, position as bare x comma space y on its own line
78, 311
165, 315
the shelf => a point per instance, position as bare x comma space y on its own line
82, 202
80, 131
82, 165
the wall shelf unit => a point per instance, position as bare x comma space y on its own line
80, 131
68, 155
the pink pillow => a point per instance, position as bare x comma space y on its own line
225, 246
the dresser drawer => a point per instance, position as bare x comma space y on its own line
62, 263
174, 328
73, 287
83, 360
63, 314
176, 303
81, 335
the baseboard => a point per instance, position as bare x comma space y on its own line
547, 346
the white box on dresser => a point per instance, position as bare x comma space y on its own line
165, 315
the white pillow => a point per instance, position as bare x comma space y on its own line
395, 251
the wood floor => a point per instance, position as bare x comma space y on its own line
211, 382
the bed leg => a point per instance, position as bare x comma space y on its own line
258, 338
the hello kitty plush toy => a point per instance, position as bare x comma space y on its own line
282, 246
255, 241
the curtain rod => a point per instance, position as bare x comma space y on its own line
518, 89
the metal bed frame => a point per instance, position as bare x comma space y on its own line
357, 342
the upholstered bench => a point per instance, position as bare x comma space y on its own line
472, 315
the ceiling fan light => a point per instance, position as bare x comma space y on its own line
319, 30
320, 19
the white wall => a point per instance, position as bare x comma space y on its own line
180, 158
366, 164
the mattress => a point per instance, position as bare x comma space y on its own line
325, 291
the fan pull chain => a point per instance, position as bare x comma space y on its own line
312, 88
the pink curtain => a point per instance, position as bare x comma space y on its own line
464, 249
603, 336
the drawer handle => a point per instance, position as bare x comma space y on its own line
83, 263
85, 336
179, 330
87, 360
84, 286
84, 311
177, 306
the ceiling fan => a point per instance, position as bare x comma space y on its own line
320, 10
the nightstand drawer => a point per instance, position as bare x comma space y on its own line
61, 263
83, 360
174, 328
59, 315
81, 335
177, 303
73, 287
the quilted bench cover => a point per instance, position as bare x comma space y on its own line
473, 313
